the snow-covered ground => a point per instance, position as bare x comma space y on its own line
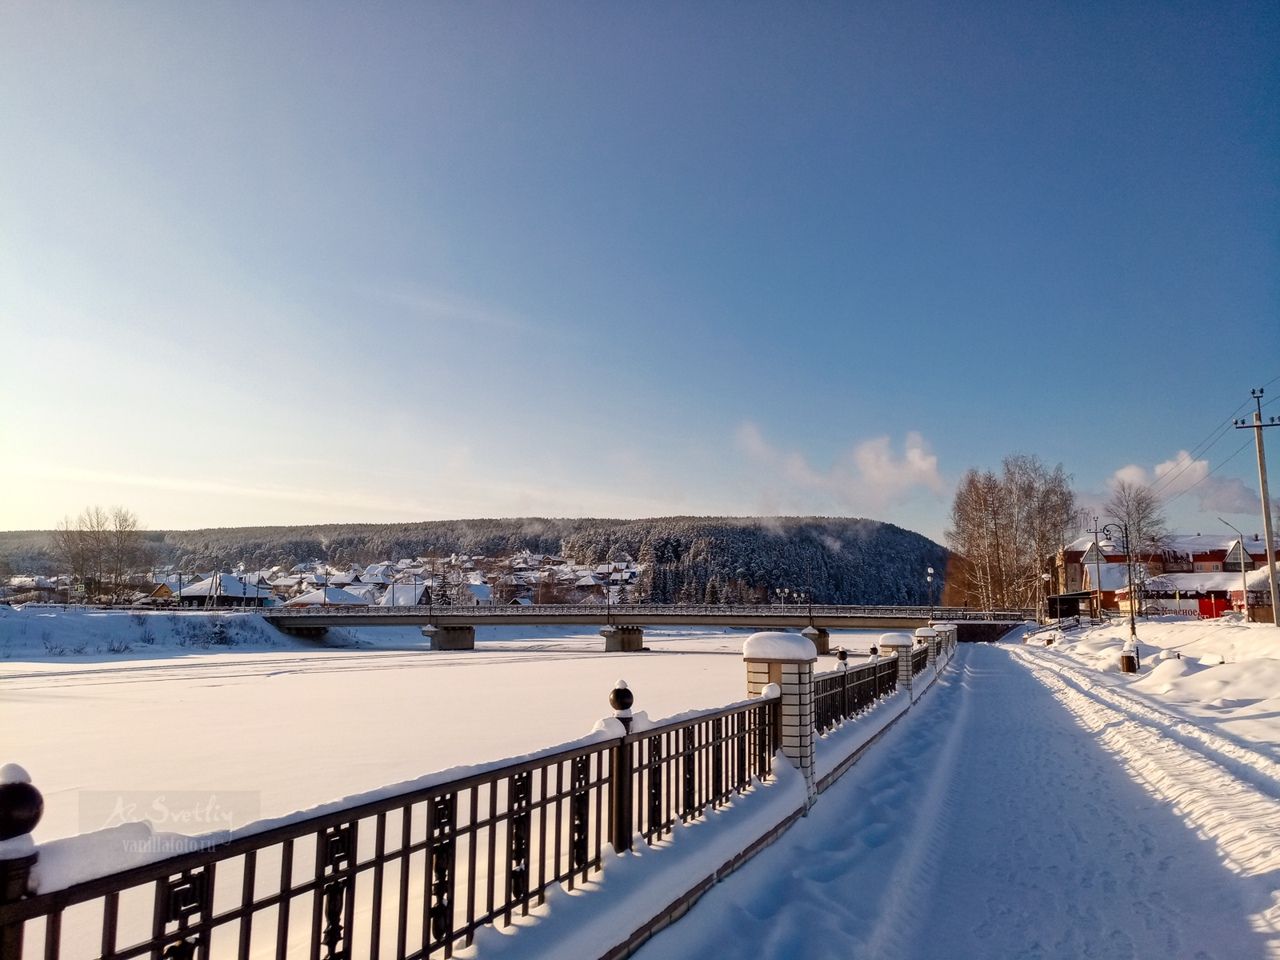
1215, 675
273, 724
1032, 807
1036, 803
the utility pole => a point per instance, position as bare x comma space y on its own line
1097, 568
1256, 426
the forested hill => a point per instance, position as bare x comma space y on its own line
689, 559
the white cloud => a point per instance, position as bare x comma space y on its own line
1182, 474
871, 474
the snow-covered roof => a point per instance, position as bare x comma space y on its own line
1111, 576
328, 597
1258, 579
223, 585
1189, 583
403, 594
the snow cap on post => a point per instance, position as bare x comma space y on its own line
891, 640
926, 633
779, 647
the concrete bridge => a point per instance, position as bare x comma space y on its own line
622, 626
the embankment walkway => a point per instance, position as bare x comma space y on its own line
1026, 809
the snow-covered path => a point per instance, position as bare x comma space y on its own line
1024, 809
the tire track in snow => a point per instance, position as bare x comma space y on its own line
913, 875
1248, 764
1242, 819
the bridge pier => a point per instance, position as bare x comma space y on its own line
454, 637
820, 637
622, 639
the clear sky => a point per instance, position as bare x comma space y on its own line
302, 262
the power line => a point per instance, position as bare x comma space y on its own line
1237, 453
1217, 433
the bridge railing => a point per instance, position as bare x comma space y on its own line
414, 874
622, 611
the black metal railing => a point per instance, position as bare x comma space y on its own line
412, 875
679, 770
845, 693
919, 660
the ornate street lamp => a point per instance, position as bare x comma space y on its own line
1129, 657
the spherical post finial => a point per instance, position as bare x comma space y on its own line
21, 805
621, 698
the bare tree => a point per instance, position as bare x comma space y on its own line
1005, 525
1136, 505
100, 548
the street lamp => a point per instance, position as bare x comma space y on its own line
928, 579
1044, 580
1129, 659
1244, 583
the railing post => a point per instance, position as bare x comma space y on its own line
21, 807
787, 659
621, 821
930, 637
899, 645
843, 656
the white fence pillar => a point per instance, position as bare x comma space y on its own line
899, 645
786, 659
930, 636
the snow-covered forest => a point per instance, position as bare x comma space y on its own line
683, 559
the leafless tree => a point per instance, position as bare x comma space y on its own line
1005, 526
100, 548
1136, 505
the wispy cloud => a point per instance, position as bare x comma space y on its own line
443, 307
1182, 474
869, 475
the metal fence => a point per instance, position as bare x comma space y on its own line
413, 875
919, 660
845, 693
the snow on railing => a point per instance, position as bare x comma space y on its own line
413, 871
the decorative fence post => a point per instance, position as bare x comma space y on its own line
899, 645
946, 639
621, 821
21, 807
786, 659
929, 636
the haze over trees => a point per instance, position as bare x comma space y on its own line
1004, 525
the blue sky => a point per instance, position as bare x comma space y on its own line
304, 262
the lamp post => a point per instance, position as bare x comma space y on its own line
1244, 582
1044, 580
928, 579
1129, 659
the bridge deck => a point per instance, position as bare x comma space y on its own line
779, 617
